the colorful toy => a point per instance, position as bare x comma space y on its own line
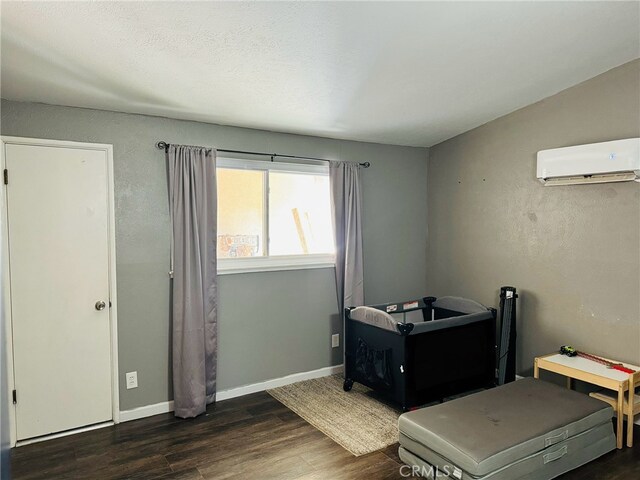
572, 352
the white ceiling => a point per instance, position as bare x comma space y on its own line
399, 73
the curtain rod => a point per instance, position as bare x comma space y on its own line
164, 145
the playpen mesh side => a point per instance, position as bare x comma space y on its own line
458, 304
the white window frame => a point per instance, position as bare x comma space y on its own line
227, 266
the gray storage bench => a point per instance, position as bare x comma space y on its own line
528, 429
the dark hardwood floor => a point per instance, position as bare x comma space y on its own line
252, 437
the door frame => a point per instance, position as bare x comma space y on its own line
6, 279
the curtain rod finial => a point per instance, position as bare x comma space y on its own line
366, 164
162, 145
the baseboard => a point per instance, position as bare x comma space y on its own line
277, 382
146, 411
165, 407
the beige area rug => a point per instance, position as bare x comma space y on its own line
353, 419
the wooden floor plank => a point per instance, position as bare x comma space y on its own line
252, 437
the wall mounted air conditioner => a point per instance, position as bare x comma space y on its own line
617, 161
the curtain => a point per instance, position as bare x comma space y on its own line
193, 212
346, 198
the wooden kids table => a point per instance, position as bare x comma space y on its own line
579, 368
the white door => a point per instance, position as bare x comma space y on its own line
57, 201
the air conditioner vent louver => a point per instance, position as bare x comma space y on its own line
612, 177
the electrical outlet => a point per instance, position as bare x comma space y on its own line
132, 380
335, 340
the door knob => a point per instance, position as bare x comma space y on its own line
100, 305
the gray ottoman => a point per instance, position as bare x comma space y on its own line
528, 429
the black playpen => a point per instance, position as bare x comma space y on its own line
416, 352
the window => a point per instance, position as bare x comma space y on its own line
273, 216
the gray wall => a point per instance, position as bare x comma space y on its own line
271, 324
573, 252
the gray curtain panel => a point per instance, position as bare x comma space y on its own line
346, 198
193, 211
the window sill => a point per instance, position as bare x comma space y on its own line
274, 264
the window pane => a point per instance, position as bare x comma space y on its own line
240, 213
299, 214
